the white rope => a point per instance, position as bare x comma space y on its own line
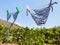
45, 5
58, 2
48, 4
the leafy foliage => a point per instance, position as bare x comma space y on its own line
33, 36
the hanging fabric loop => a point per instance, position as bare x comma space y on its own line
40, 16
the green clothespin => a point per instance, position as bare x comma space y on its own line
17, 9
7, 11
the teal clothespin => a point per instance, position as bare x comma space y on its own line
17, 9
7, 12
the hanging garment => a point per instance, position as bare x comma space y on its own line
8, 15
16, 13
12, 14
14, 17
41, 15
9, 26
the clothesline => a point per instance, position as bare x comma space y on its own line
41, 5
48, 4
45, 5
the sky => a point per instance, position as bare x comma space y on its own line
23, 20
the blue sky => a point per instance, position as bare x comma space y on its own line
23, 20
